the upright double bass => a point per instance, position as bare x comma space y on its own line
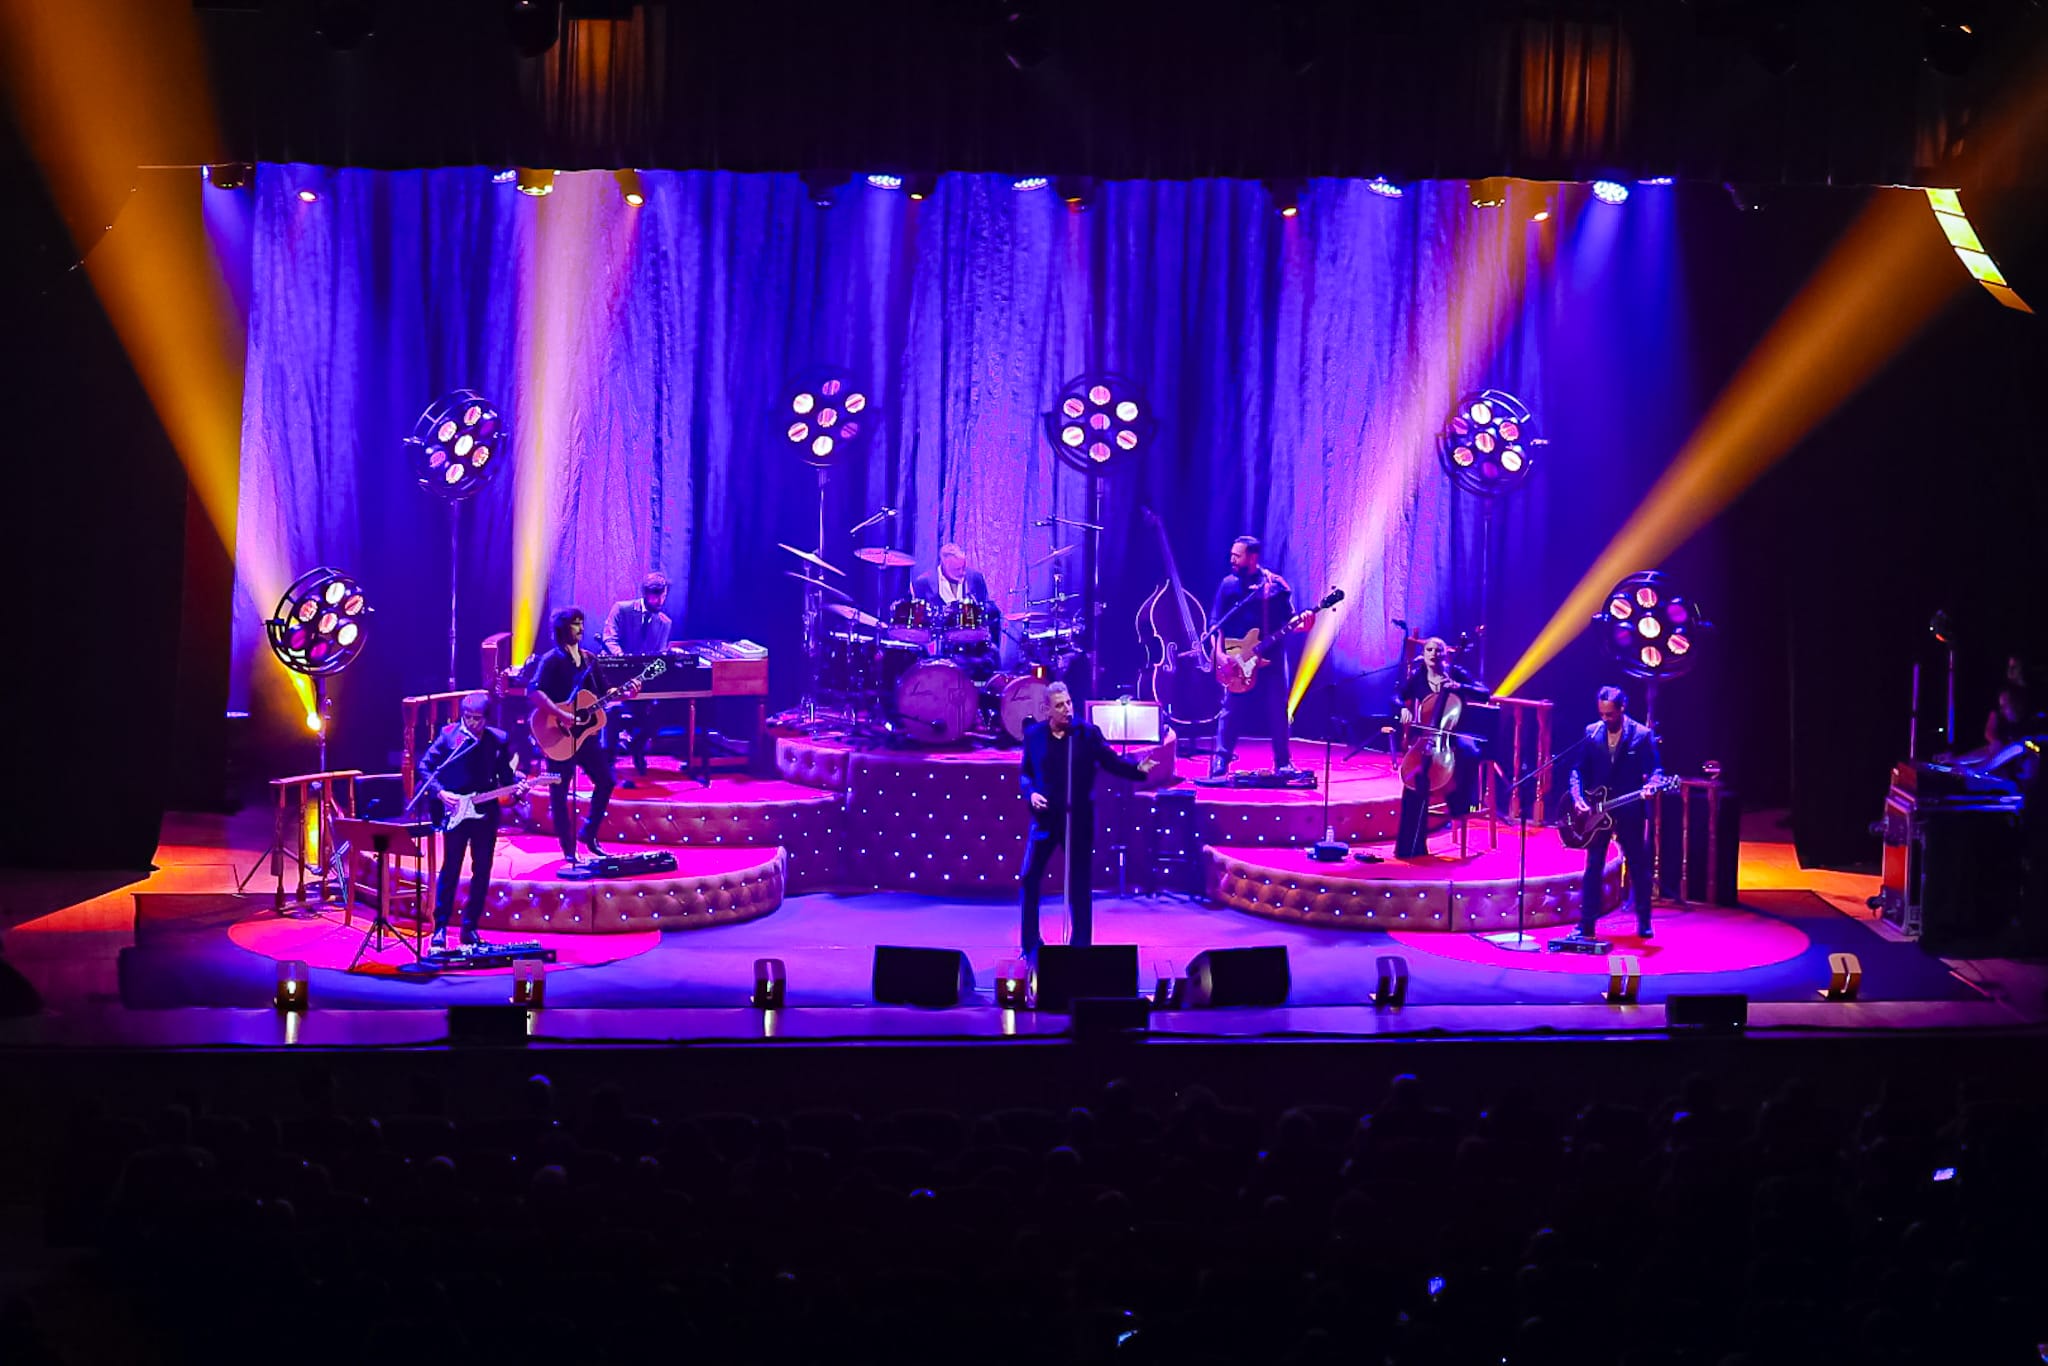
1171, 624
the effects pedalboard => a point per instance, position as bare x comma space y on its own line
619, 865
477, 957
1263, 777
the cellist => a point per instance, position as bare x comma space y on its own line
1427, 699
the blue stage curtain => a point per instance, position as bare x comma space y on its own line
1299, 370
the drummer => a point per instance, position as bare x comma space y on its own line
950, 582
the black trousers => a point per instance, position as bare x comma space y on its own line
639, 720
478, 839
1635, 856
596, 761
1261, 707
1412, 839
1048, 833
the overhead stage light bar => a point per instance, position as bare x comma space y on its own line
1969, 248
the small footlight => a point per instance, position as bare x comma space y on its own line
771, 984
1013, 984
292, 984
529, 983
1624, 979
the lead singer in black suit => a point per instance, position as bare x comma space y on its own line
1620, 755
1060, 758
466, 757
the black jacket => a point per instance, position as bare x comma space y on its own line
1038, 774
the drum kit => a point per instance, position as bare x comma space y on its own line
935, 673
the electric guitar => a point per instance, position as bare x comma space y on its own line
559, 739
1581, 828
466, 803
1238, 660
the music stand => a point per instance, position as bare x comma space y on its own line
387, 838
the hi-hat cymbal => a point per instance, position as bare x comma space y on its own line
881, 557
810, 582
853, 614
808, 558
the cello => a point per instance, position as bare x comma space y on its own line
1430, 764
1171, 624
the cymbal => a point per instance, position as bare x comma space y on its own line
853, 614
881, 557
810, 582
1052, 555
808, 558
1027, 616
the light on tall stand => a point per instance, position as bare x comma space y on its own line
825, 417
1098, 423
1653, 632
1488, 449
318, 628
456, 448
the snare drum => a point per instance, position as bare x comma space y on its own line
1016, 699
935, 702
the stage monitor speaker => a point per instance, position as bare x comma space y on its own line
18, 996
1069, 971
1707, 1012
494, 1024
1239, 977
921, 977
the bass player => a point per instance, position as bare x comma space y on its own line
561, 673
467, 757
1252, 597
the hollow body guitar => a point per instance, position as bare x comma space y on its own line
1239, 658
1580, 828
559, 739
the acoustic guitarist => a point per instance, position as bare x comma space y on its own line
560, 675
467, 757
1619, 755
1253, 598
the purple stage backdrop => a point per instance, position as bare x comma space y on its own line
1298, 370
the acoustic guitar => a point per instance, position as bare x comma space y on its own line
1239, 659
559, 739
1580, 828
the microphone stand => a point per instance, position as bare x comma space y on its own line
1518, 940
1329, 849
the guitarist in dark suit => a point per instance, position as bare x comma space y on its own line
1251, 597
1433, 676
1620, 755
467, 757
1058, 778
560, 675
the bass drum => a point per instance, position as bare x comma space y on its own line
935, 701
1017, 699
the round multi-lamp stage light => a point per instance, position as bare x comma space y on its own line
1652, 630
319, 625
1488, 446
827, 415
458, 445
1098, 421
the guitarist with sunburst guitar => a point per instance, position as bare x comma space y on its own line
1253, 613
568, 727
1617, 763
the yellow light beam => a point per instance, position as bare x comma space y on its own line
1492, 264
1884, 280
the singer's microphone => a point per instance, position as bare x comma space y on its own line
1398, 622
1043, 521
888, 512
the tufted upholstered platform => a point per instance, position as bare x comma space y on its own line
714, 886
1470, 895
736, 811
